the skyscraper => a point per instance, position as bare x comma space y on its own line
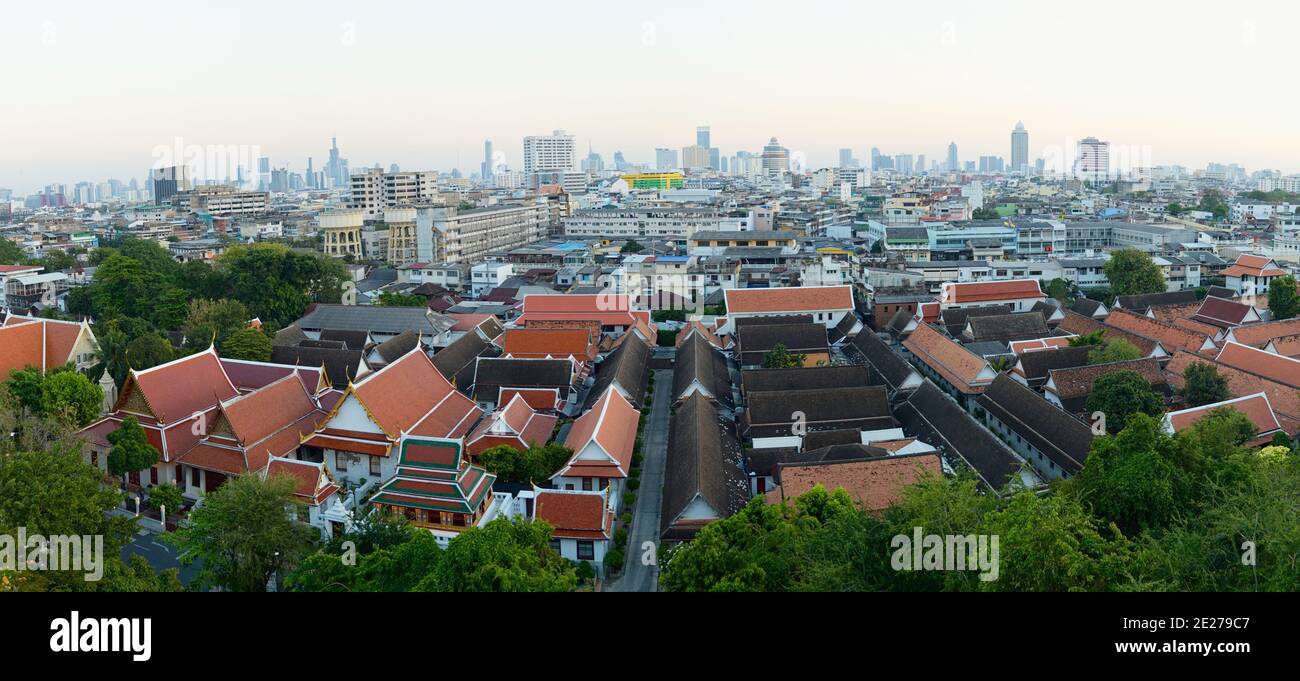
952, 157
846, 159
485, 172
1020, 149
165, 182
776, 158
666, 159
548, 153
336, 169
702, 137
1094, 159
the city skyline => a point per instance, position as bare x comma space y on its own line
1015, 62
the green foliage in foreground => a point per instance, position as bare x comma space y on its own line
1150, 512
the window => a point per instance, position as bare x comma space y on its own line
586, 484
340, 462
374, 465
195, 480
586, 549
555, 545
153, 475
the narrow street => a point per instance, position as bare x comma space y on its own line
637, 575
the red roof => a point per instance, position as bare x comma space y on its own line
1256, 407
1253, 266
574, 515
959, 293
611, 424
32, 341
311, 480
1276, 367
180, 388
796, 299
403, 393
543, 342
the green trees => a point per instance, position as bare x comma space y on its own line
53, 492
130, 451
247, 343
1062, 290
1131, 479
1132, 272
1283, 302
209, 321
1121, 394
276, 284
394, 299
501, 556
71, 398
1095, 338
1203, 384
148, 350
533, 465
631, 247
779, 357
243, 533
166, 496
1117, 350
1212, 202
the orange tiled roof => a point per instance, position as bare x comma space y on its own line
41, 343
959, 366
1169, 336
1253, 266
574, 514
1284, 399
957, 293
1255, 407
1275, 367
180, 388
875, 484
544, 342
1258, 335
612, 424
793, 299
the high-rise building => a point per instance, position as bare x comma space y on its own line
1019, 149
666, 159
165, 182
373, 190
485, 172
552, 153
846, 159
336, 170
953, 165
1094, 159
695, 157
776, 158
904, 164
702, 137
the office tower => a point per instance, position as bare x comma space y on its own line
548, 153
1019, 149
165, 182
702, 137
336, 170
952, 157
715, 158
485, 170
695, 157
875, 158
903, 163
1094, 159
920, 163
311, 175
620, 163
846, 159
776, 158
593, 163
263, 173
666, 159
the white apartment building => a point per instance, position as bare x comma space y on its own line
449, 235
373, 190
222, 200
549, 153
661, 223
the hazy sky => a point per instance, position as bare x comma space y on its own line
92, 91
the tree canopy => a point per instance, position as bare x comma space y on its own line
1121, 394
1203, 384
1132, 272
780, 357
1283, 301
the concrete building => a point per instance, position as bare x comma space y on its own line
373, 190
449, 235
341, 230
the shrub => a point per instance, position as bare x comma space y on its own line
629, 498
166, 495
637, 458
620, 537
627, 518
614, 559
633, 484
585, 571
